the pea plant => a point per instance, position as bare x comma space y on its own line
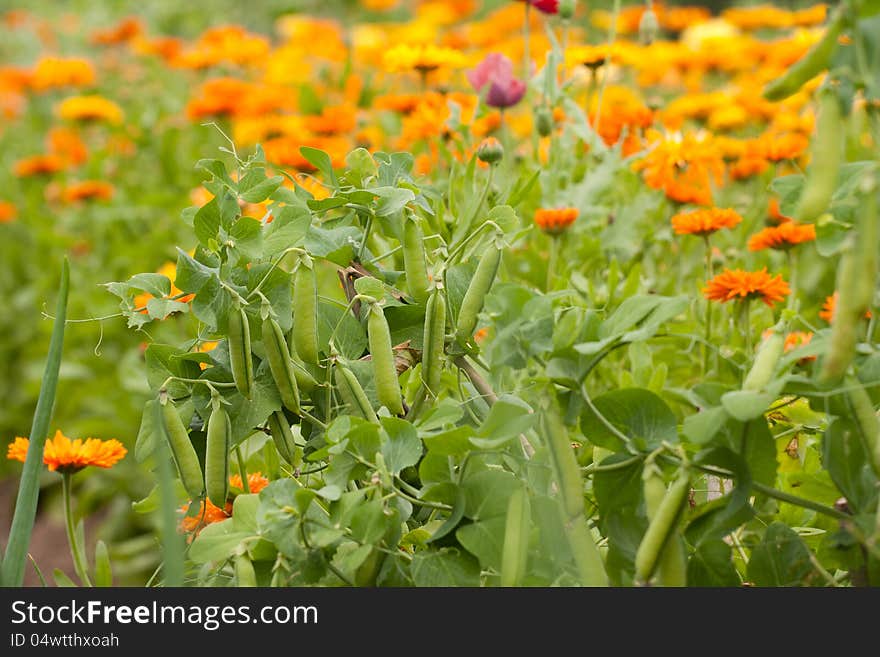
387, 385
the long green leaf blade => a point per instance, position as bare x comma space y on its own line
29, 486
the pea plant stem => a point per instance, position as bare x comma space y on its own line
79, 563
708, 334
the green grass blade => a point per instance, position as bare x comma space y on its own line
29, 487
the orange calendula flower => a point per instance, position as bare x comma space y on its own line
68, 456
67, 144
53, 72
830, 306
207, 514
90, 108
123, 32
88, 190
797, 339
745, 285
555, 220
37, 165
256, 482
210, 513
704, 221
422, 58
784, 236
774, 214
8, 212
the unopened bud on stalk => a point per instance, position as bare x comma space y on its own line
490, 151
543, 120
567, 9
649, 26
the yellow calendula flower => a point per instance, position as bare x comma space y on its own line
90, 108
423, 59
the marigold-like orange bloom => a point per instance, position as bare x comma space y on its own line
256, 482
745, 285
422, 58
555, 220
123, 32
69, 456
8, 212
54, 72
829, 307
39, 165
68, 144
705, 221
88, 190
208, 514
784, 236
774, 214
797, 339
90, 108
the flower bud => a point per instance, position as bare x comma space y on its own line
543, 120
649, 26
490, 151
567, 9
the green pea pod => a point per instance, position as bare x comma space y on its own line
280, 364
382, 357
856, 280
764, 365
182, 450
472, 303
809, 66
826, 158
240, 360
353, 394
245, 575
672, 567
414, 262
279, 427
517, 528
662, 527
434, 341
305, 313
571, 500
866, 418
217, 456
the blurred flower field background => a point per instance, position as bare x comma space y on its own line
652, 164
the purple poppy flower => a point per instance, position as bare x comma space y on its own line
496, 70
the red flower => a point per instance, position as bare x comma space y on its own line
546, 6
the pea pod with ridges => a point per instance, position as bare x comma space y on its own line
282, 436
764, 365
866, 418
474, 297
240, 359
182, 450
217, 456
810, 65
571, 499
414, 262
662, 527
672, 567
826, 157
280, 364
433, 343
382, 358
517, 529
245, 575
305, 312
352, 393
856, 280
